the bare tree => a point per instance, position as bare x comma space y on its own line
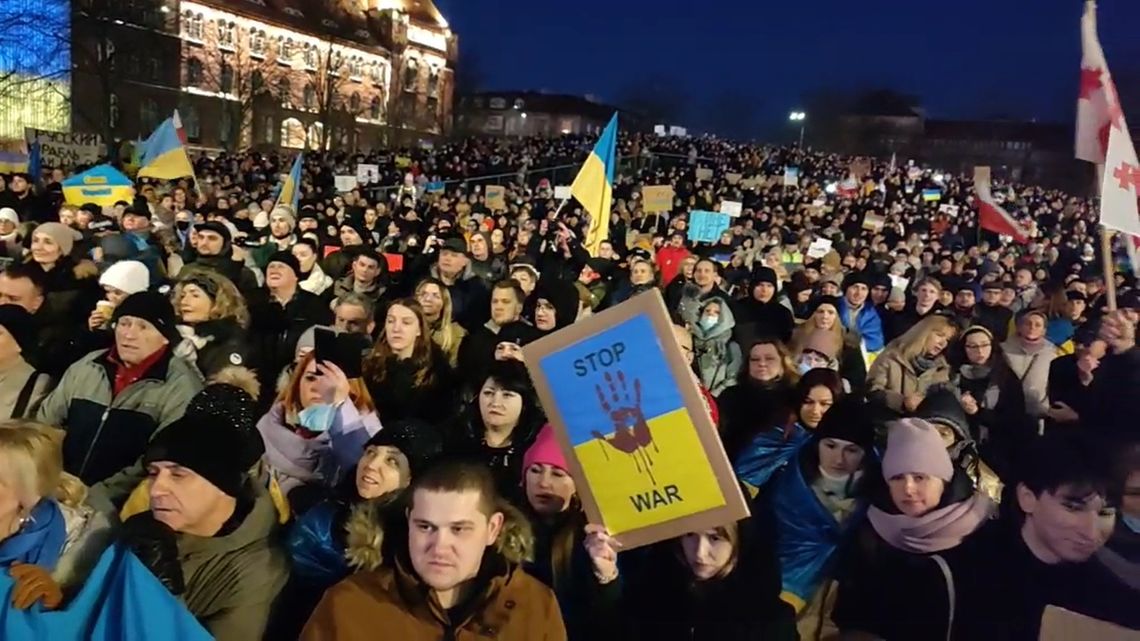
336, 106
26, 56
243, 72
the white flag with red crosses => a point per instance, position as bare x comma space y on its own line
1097, 93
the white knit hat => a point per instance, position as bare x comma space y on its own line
129, 276
9, 214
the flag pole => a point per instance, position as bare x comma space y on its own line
1109, 271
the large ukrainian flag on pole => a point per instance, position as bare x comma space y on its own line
594, 186
291, 188
164, 153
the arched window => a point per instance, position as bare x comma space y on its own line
148, 114
226, 78
257, 42
316, 131
310, 56
354, 103
292, 133
193, 71
411, 74
285, 92
191, 123
226, 31
375, 108
310, 97
267, 129
433, 82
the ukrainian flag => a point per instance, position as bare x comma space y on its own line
13, 162
103, 185
291, 188
164, 153
595, 184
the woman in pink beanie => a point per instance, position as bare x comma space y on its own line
899, 581
576, 560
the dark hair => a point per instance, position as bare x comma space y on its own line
31, 271
1075, 459
818, 377
458, 476
512, 376
513, 285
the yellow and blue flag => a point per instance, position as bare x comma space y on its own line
103, 185
291, 189
594, 186
12, 162
164, 153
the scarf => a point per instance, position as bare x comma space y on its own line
935, 531
976, 372
40, 539
191, 342
923, 363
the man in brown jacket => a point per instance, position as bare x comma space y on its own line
457, 578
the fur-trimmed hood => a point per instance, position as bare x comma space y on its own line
367, 521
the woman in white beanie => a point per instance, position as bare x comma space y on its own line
899, 578
120, 280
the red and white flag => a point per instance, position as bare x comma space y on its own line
992, 217
1097, 93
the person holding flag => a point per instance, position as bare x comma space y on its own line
164, 153
593, 187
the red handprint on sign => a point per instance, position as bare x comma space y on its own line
631, 431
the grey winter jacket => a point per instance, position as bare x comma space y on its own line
1032, 369
716, 356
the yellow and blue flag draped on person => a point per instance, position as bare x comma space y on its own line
291, 189
164, 153
103, 185
594, 187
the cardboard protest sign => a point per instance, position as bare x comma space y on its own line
731, 207
65, 151
657, 198
435, 187
562, 192
639, 440
750, 183
898, 282
949, 210
103, 185
496, 197
732, 178
874, 222
1059, 624
395, 262
860, 168
403, 162
704, 173
706, 226
344, 183
931, 195
819, 248
366, 174
791, 176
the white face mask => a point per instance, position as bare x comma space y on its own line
1131, 522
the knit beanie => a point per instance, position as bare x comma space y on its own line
10, 215
545, 450
152, 307
914, 446
517, 332
60, 233
285, 258
128, 276
20, 325
214, 449
854, 278
848, 420
819, 301
941, 407
218, 228
764, 274
234, 407
824, 342
285, 212
420, 442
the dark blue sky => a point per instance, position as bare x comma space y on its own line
967, 58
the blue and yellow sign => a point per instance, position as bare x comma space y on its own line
645, 449
103, 185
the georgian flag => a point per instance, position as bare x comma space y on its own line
1097, 93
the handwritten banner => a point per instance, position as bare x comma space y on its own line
706, 226
496, 197
658, 198
66, 151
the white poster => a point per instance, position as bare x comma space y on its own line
562, 192
66, 151
345, 183
731, 207
366, 174
819, 248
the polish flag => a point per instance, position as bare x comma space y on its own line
177, 122
991, 216
1097, 93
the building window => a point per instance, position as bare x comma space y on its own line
433, 82
285, 90
519, 104
257, 42
377, 73
257, 82
154, 69
193, 71
375, 108
191, 124
226, 78
292, 133
113, 107
286, 50
148, 115
227, 125
267, 129
316, 132
356, 68
192, 25
310, 97
134, 65
226, 33
310, 56
354, 103
411, 72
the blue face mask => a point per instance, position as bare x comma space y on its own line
1131, 522
708, 322
317, 418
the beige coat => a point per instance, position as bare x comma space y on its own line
891, 379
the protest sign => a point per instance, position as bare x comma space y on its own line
366, 174
403, 162
706, 226
434, 187
637, 435
949, 210
103, 185
1059, 624
657, 198
704, 173
562, 192
344, 183
873, 222
65, 151
791, 176
731, 207
898, 282
819, 248
750, 183
732, 178
395, 262
931, 195
496, 197
914, 173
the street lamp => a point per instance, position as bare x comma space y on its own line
800, 117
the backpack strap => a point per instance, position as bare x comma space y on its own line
26, 394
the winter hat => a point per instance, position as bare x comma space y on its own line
10, 215
60, 233
563, 296
603, 266
285, 212
848, 420
233, 406
942, 407
20, 324
819, 301
128, 276
518, 332
824, 342
215, 449
545, 450
854, 278
764, 274
261, 220
152, 307
416, 440
218, 228
285, 258
914, 446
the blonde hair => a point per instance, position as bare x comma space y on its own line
730, 532
912, 343
444, 332
227, 300
31, 464
805, 329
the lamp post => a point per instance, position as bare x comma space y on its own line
800, 117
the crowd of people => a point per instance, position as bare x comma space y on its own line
316, 422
